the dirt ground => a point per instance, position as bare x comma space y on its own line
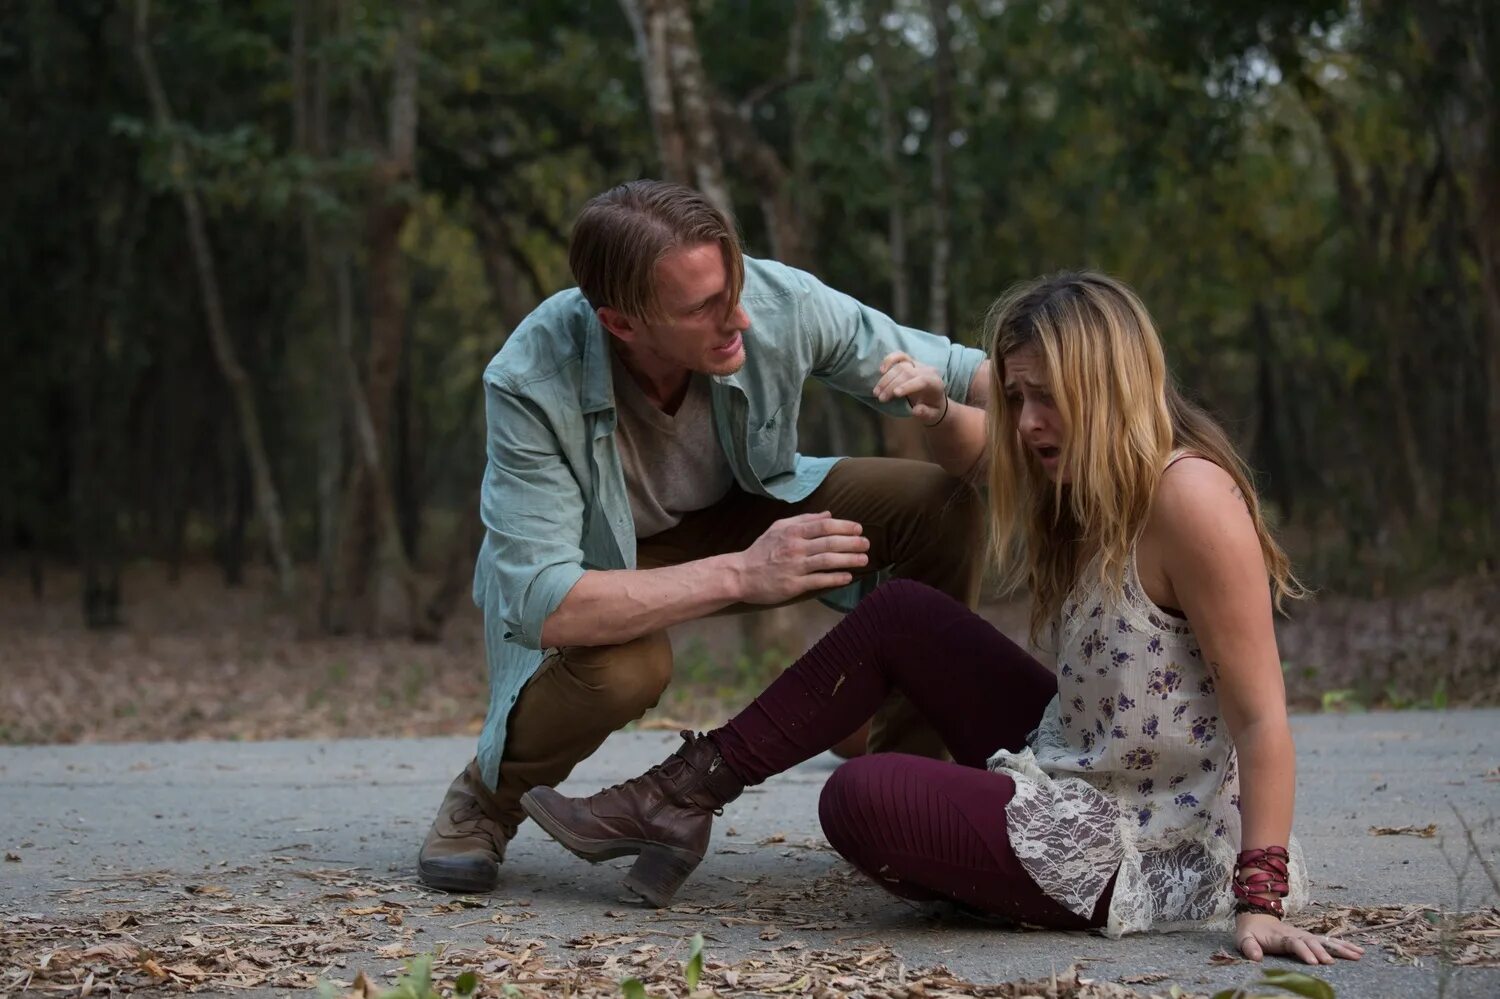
197, 660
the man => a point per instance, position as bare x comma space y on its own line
643, 471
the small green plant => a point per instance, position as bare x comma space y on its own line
1347, 699
417, 984
1283, 982
692, 970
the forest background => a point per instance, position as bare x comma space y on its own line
257, 255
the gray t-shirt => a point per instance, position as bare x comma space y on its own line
673, 464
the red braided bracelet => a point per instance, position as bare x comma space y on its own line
1269, 877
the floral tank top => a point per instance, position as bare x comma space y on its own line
1131, 770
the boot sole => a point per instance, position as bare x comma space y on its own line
657, 874
449, 881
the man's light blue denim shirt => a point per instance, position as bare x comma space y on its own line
553, 499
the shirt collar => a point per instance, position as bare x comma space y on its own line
598, 385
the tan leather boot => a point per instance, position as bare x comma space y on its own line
466, 843
664, 816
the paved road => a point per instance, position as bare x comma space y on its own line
247, 816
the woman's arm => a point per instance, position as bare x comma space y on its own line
956, 432
1203, 545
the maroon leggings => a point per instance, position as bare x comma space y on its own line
923, 829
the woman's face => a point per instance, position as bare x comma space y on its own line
1028, 396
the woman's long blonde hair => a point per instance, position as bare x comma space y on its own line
1122, 418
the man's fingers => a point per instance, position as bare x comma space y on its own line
804, 519
828, 526
838, 543
1251, 948
827, 580
1301, 949
1320, 952
830, 561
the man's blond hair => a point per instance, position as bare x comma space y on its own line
622, 234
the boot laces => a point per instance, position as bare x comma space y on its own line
679, 796
639, 778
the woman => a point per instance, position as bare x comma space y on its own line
1149, 784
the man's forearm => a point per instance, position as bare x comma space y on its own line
607, 607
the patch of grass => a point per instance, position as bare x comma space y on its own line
1353, 701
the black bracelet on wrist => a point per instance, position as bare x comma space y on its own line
940, 419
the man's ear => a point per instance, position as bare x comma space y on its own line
617, 323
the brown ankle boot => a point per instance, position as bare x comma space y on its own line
467, 840
664, 816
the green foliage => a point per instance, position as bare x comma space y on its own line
692, 970
1350, 700
417, 983
693, 966
1284, 982
1290, 186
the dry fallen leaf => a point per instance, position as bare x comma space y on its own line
214, 891
1426, 832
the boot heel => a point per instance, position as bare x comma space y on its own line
658, 872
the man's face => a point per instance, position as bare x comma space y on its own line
702, 330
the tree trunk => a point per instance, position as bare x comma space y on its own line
94, 529
370, 524
650, 28
236, 520
694, 101
772, 182
407, 458
1486, 179
899, 437
942, 128
457, 574
513, 300
1269, 438
267, 500
329, 291
679, 95
890, 152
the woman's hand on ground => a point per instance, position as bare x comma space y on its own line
1258, 935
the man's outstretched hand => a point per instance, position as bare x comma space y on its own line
812, 551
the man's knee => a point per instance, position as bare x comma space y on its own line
953, 505
624, 681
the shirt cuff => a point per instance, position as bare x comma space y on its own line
962, 365
543, 596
